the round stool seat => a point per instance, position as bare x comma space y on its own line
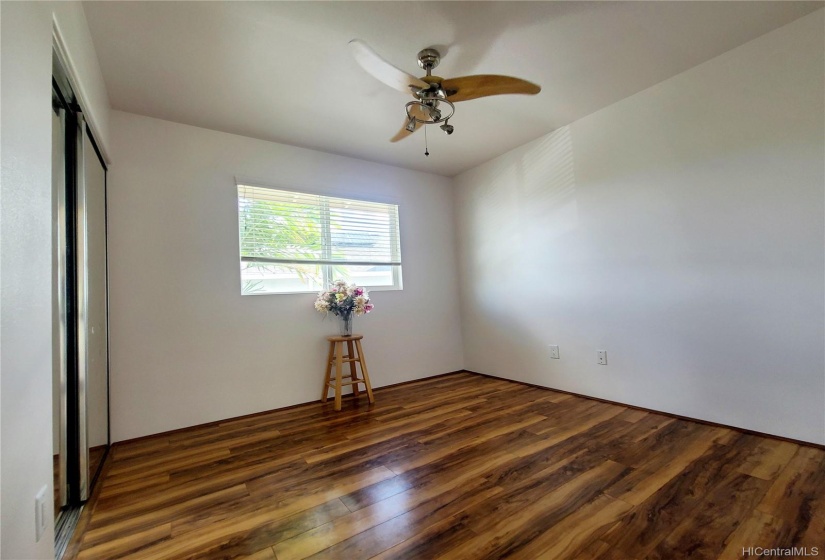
345, 338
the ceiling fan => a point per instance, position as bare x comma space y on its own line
434, 97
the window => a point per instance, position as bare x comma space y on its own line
297, 242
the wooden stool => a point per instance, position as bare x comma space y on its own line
336, 356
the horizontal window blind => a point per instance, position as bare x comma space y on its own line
296, 228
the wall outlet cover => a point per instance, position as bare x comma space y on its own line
601, 357
554, 351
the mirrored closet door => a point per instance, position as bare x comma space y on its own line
93, 326
81, 346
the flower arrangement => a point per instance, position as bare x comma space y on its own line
343, 299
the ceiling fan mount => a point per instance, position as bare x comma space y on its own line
433, 95
428, 59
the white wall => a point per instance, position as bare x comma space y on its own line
681, 230
186, 347
25, 270
26, 259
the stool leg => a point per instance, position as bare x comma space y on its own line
339, 350
353, 372
364, 371
328, 374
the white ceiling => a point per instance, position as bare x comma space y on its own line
281, 71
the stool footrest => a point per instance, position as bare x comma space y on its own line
332, 361
331, 378
332, 383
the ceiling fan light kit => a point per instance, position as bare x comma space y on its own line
432, 109
434, 97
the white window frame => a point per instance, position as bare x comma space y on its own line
326, 269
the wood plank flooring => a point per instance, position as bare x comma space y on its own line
457, 467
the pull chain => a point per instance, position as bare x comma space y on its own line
426, 150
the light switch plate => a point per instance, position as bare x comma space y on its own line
40, 514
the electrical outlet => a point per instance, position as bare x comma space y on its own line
554, 351
40, 516
601, 357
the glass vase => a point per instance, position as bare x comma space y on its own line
345, 325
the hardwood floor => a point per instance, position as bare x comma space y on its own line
457, 467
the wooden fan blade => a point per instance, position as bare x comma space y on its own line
416, 111
382, 70
483, 85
